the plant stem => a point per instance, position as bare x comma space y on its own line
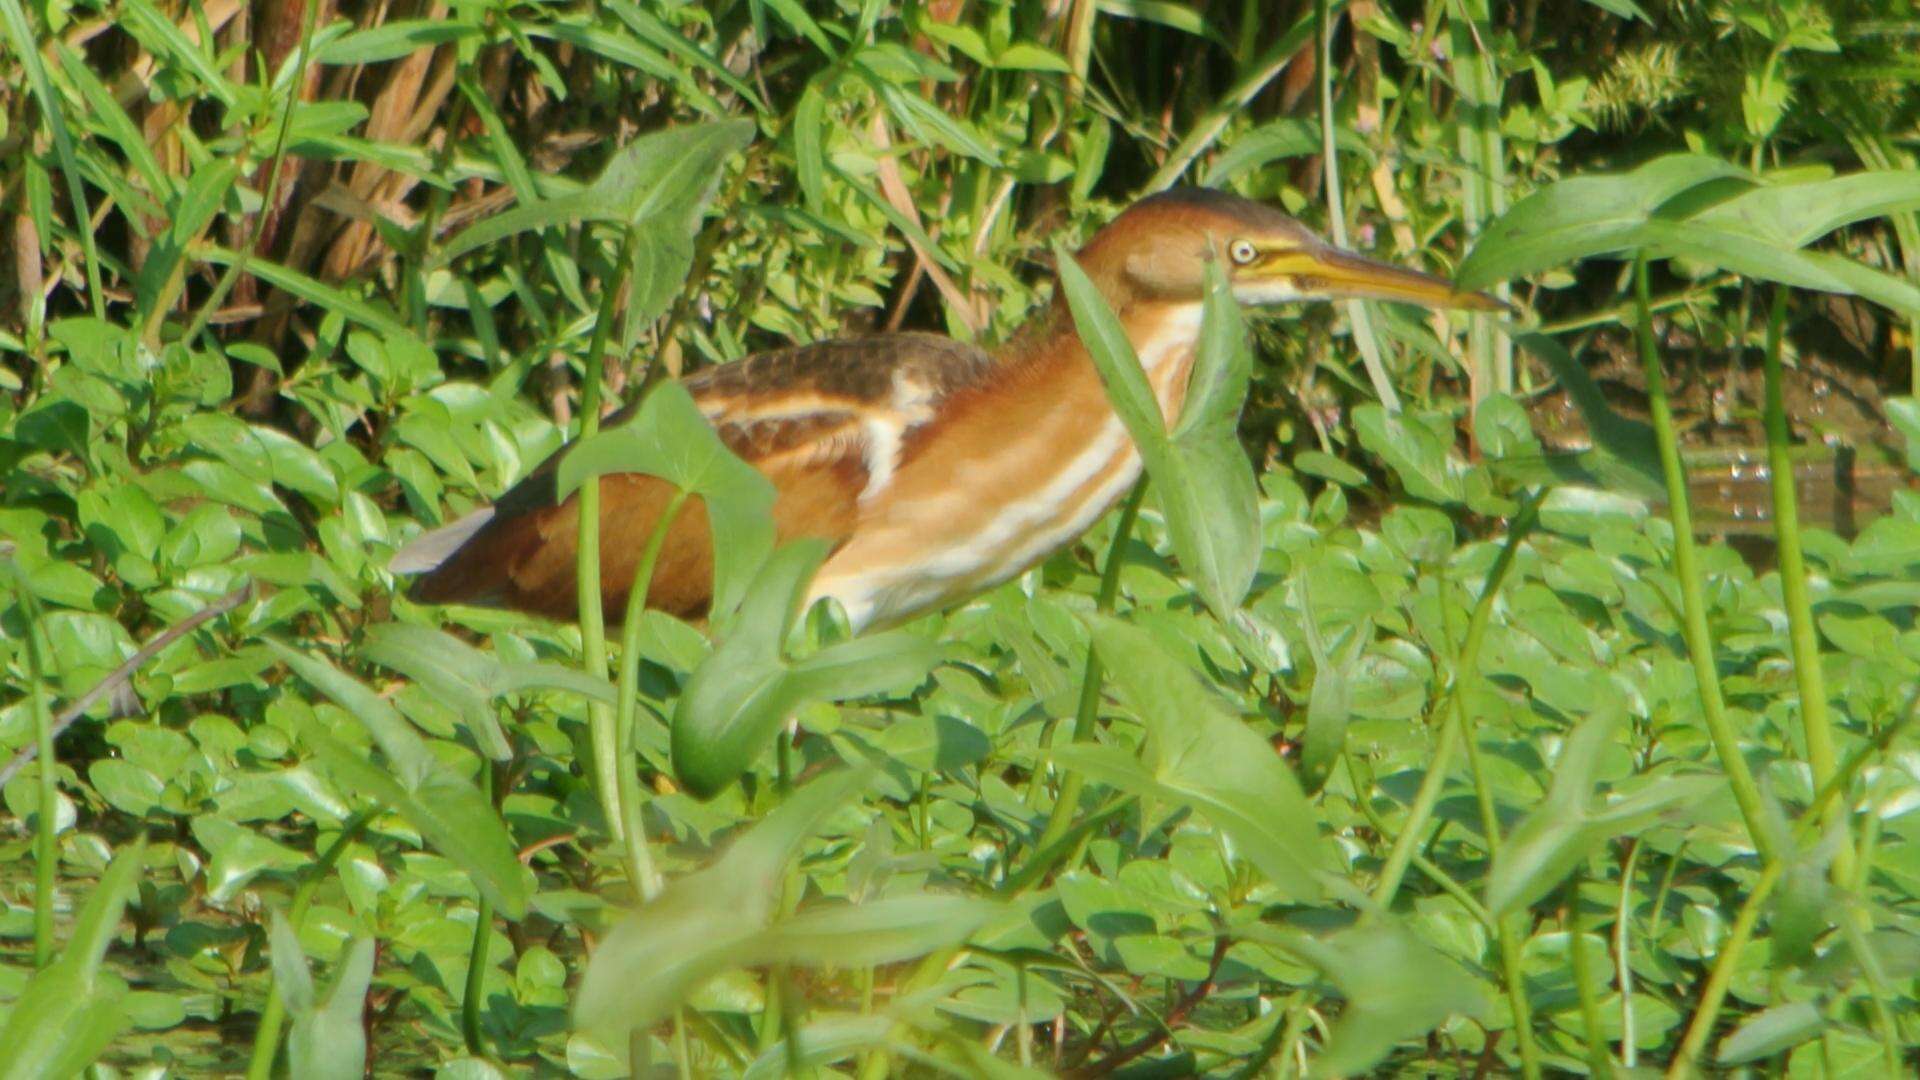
1714, 994
646, 879
476, 979
1089, 707
1357, 311
1428, 795
1599, 1064
266, 1039
46, 841
603, 735
1804, 639
1686, 568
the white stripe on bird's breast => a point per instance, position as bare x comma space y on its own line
947, 564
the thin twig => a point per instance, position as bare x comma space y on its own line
1112, 1062
125, 671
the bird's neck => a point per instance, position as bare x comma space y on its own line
1163, 334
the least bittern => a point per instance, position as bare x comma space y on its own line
934, 469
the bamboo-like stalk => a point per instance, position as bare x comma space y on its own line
1468, 665
640, 867
1686, 568
1358, 313
602, 734
46, 845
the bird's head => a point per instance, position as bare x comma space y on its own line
1158, 250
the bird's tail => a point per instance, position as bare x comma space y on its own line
430, 549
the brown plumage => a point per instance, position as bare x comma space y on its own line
932, 468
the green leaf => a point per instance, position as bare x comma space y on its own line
1200, 756
746, 689
468, 680
1419, 450
1584, 216
451, 814
1679, 206
705, 922
809, 144
1772, 1031
668, 437
659, 183
405, 750
393, 40
66, 1014
329, 1040
1205, 483
1570, 823
1275, 141
884, 931
1396, 987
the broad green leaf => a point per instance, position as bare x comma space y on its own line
658, 184
328, 1041
1274, 141
1204, 482
1677, 206
66, 1014
406, 752
705, 922
187, 218
289, 962
809, 149
470, 681
1397, 988
1793, 215
1772, 1031
746, 689
1419, 450
1203, 757
1570, 823
668, 437
884, 931
1583, 216
451, 814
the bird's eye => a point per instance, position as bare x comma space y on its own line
1242, 252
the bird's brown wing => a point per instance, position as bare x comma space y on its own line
826, 423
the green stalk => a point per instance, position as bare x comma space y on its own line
266, 1039
1808, 676
1357, 311
1089, 707
1428, 796
1714, 994
1598, 1063
1686, 568
476, 979
646, 878
1478, 84
1508, 936
1623, 968
602, 733
46, 847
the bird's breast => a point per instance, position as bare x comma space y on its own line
1000, 481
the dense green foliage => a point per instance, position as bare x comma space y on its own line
1475, 763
